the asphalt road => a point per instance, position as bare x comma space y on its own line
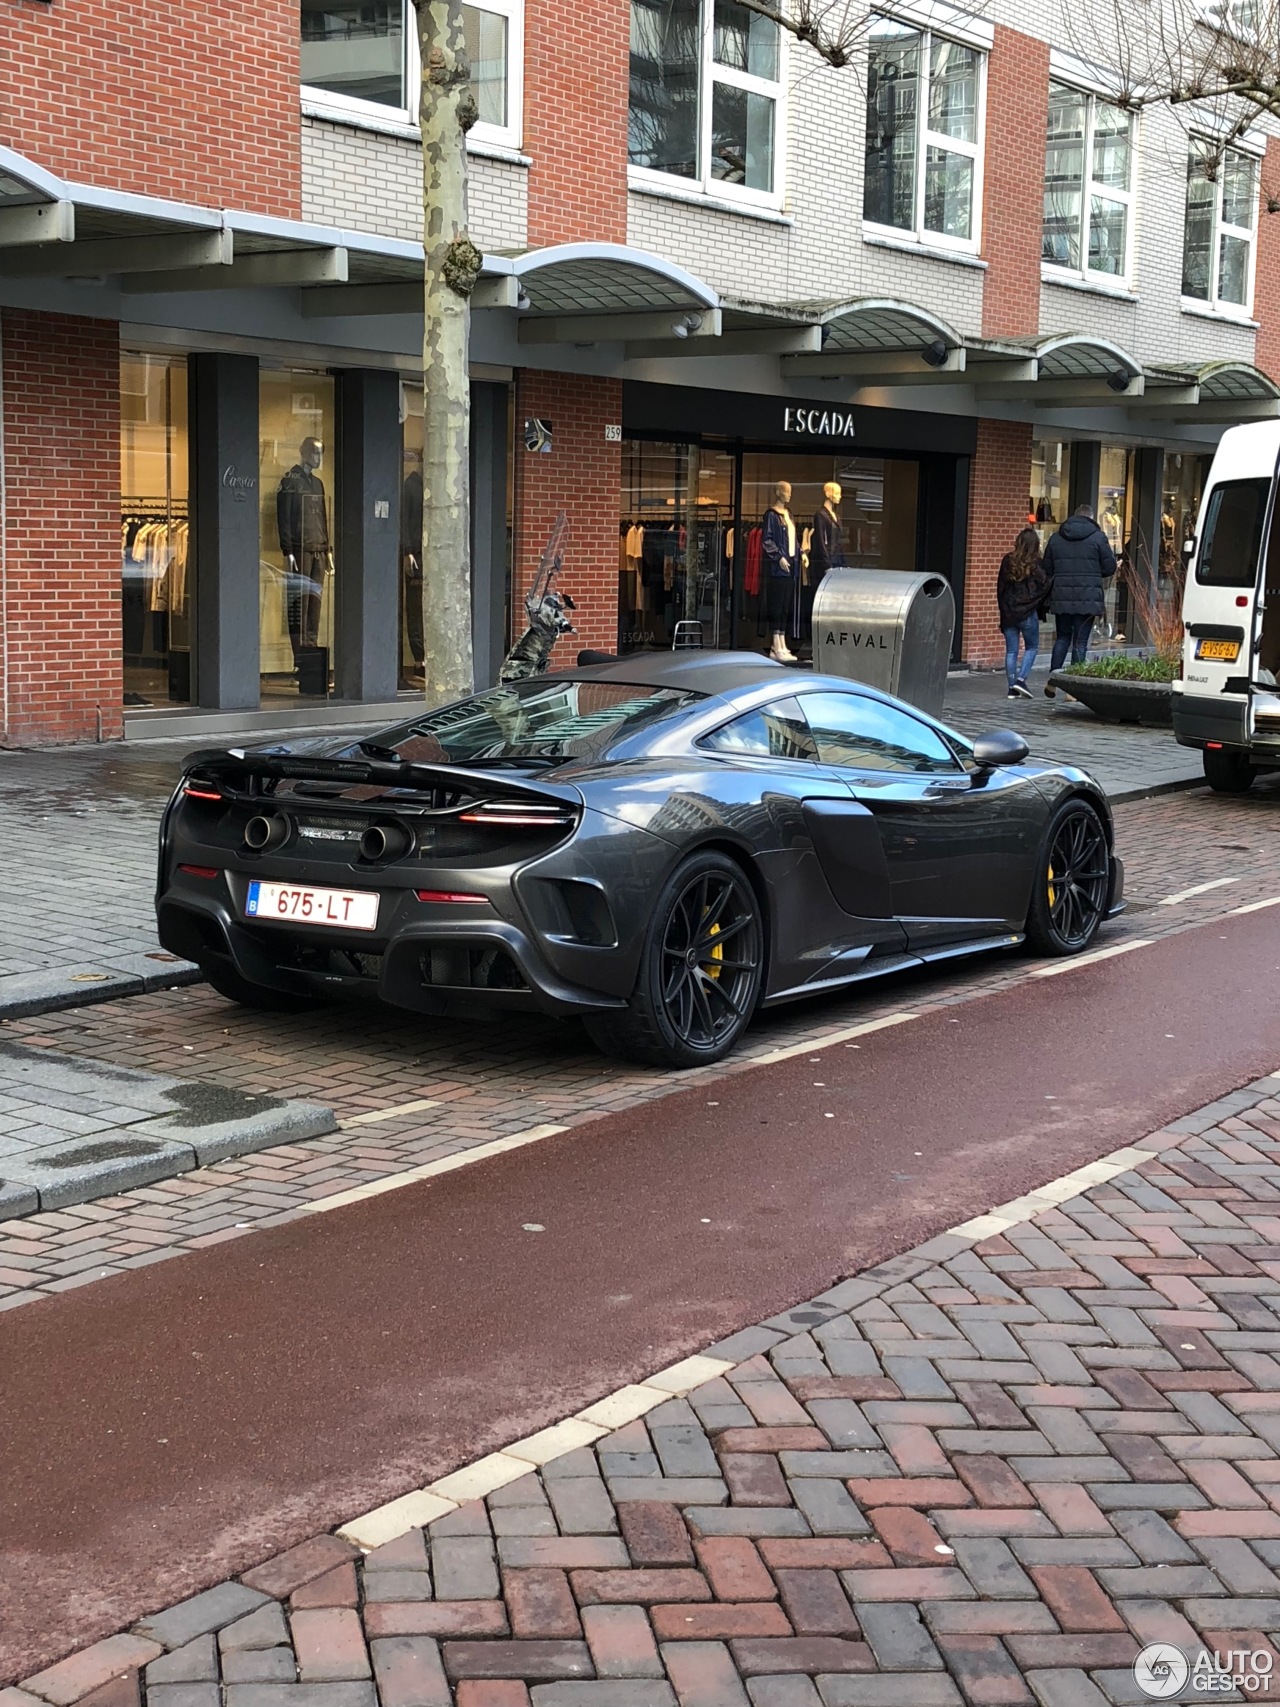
162, 1429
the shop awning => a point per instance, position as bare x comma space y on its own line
578, 293
51, 228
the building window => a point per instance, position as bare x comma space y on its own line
1217, 250
355, 49
1088, 176
924, 98
156, 562
705, 94
360, 59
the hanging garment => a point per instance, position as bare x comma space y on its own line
755, 554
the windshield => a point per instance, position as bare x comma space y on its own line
536, 720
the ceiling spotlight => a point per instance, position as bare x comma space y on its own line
523, 302
686, 324
1119, 380
825, 335
935, 354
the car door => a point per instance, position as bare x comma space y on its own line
959, 843
821, 851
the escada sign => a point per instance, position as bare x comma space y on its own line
819, 423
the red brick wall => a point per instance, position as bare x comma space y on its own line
582, 475
999, 478
575, 120
1013, 191
61, 403
1266, 289
162, 97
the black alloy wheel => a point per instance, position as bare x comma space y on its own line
700, 971
1072, 882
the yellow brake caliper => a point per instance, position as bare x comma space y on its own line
1053, 888
715, 955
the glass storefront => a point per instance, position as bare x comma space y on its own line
1183, 487
156, 569
690, 532
296, 555
1050, 485
1115, 517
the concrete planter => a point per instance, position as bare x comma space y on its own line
1119, 701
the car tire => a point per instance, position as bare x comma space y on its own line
1072, 881
691, 1004
228, 983
1228, 773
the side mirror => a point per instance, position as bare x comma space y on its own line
1001, 747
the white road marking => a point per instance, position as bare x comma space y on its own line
379, 1114
1254, 907
829, 1039
1197, 889
1091, 959
429, 1170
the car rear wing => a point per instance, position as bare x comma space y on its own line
236, 771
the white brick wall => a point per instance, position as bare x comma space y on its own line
365, 181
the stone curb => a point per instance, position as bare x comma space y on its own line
23, 995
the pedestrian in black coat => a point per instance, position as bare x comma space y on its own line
1021, 588
1077, 560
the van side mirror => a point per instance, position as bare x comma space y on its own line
1001, 747
1188, 546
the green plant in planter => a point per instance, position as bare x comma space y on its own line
1124, 669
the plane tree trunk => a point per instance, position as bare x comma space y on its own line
447, 111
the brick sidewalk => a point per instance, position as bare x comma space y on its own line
988, 1471
422, 1090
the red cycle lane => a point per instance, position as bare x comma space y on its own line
163, 1429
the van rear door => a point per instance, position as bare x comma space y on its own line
1264, 670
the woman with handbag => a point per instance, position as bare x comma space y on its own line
1022, 588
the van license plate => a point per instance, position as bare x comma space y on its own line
348, 909
1225, 651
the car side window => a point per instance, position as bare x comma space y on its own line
777, 731
864, 734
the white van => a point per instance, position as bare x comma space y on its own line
1228, 701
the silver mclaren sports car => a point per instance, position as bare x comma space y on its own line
658, 844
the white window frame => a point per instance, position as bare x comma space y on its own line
1213, 303
349, 109
1113, 281
711, 72
926, 138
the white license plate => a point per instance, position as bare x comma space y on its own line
347, 909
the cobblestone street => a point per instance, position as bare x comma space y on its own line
991, 1470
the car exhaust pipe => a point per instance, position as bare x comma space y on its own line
385, 841
264, 832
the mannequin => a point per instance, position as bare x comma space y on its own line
302, 521
781, 570
411, 565
826, 548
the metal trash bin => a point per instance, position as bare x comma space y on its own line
889, 630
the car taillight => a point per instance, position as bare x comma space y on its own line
209, 871
519, 815
447, 895
201, 791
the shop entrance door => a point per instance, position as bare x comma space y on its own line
675, 546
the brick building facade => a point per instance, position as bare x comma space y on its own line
210, 369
